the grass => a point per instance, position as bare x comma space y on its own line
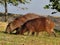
42, 39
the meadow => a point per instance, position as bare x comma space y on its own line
12, 39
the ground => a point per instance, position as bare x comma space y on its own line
42, 39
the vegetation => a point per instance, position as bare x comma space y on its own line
12, 39
42, 39
54, 4
14, 2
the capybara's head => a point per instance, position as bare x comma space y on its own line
8, 28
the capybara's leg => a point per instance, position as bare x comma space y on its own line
33, 33
48, 31
17, 30
23, 30
28, 32
53, 32
37, 33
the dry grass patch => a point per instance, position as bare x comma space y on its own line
11, 39
3, 25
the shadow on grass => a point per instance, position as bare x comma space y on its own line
7, 33
57, 31
3, 32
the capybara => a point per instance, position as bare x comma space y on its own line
37, 25
12, 26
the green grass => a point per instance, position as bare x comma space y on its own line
42, 39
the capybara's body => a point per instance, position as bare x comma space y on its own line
37, 25
20, 21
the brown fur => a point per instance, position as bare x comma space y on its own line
20, 21
37, 25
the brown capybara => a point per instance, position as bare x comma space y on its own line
37, 25
20, 21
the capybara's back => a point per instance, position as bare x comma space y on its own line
40, 24
19, 21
